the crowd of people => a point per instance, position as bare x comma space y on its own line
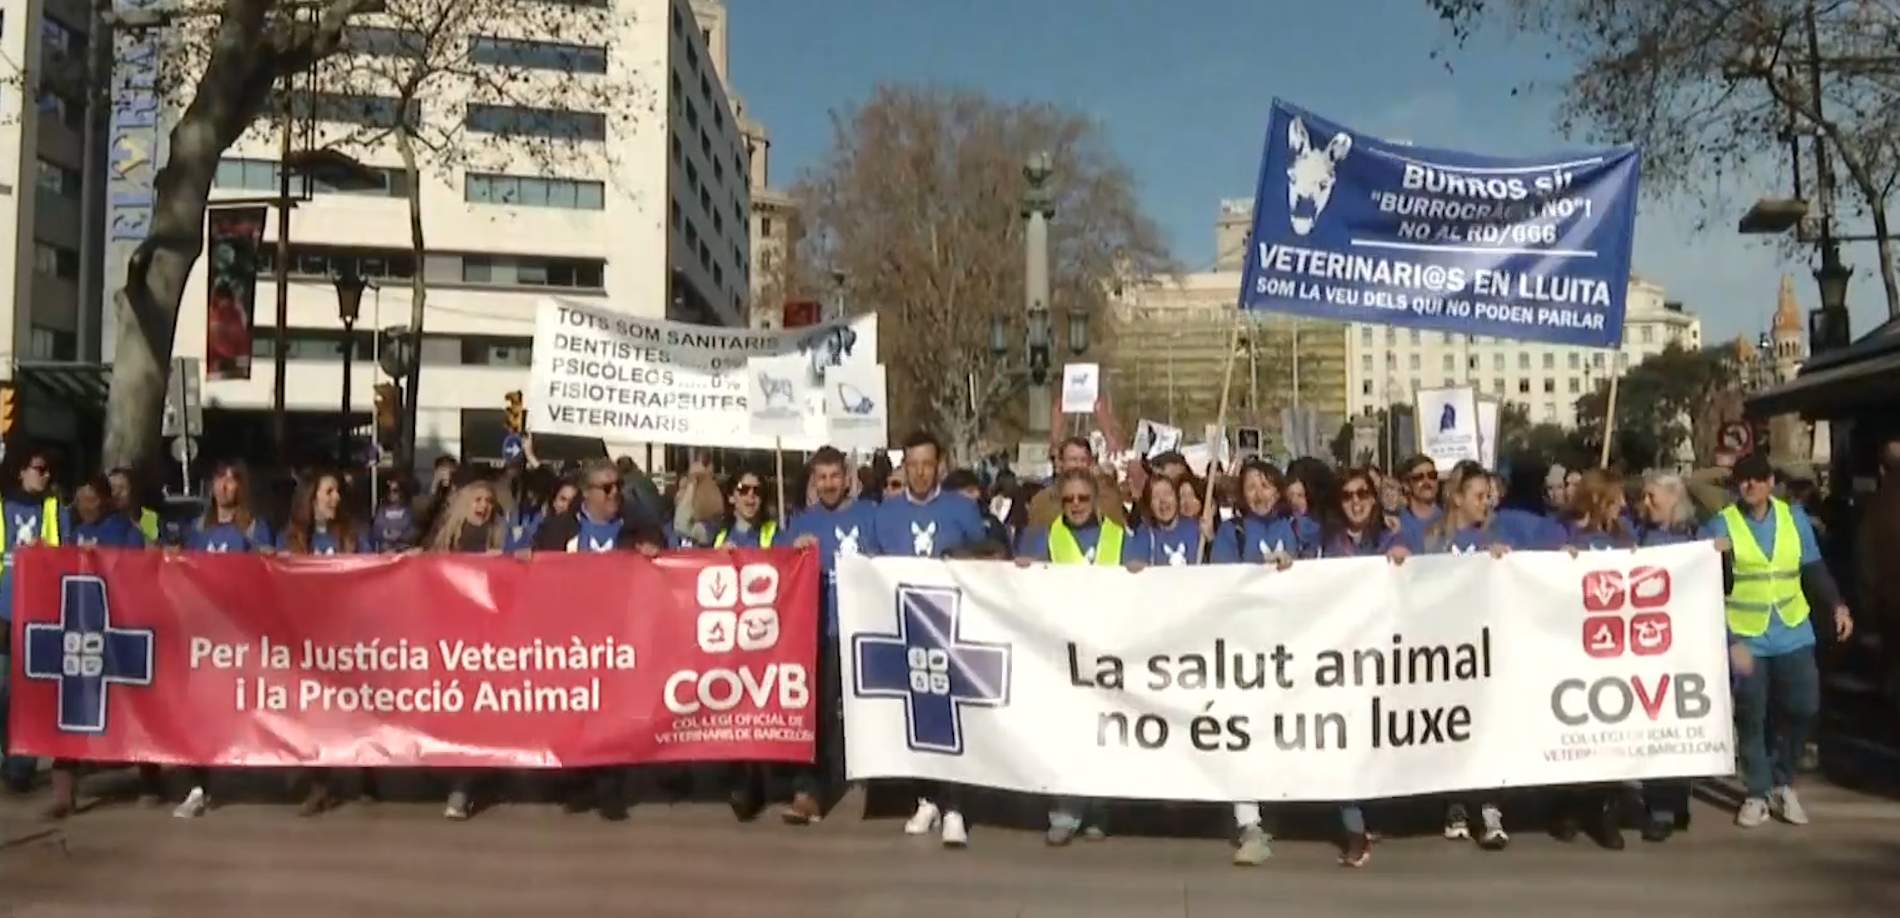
1157, 512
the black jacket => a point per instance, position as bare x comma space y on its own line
558, 532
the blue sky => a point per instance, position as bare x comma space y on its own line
1182, 88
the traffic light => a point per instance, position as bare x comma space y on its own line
514, 417
9, 409
388, 411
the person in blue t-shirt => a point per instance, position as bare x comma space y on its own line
1261, 532
94, 521
1778, 574
229, 523
1166, 537
1666, 517
1310, 486
393, 526
1418, 476
924, 521
320, 524
542, 497
837, 523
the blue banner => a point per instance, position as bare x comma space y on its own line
1353, 228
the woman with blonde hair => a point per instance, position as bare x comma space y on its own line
1596, 518
472, 521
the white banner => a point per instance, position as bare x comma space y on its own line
1345, 679
599, 372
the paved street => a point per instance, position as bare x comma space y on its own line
253, 859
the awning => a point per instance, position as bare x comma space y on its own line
81, 387
1861, 377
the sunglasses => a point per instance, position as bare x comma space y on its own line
1423, 476
746, 490
38, 467
895, 484
1356, 494
1077, 499
606, 487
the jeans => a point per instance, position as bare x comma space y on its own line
1788, 687
15, 769
1351, 818
827, 771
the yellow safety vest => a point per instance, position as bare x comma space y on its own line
1765, 585
148, 524
49, 528
766, 532
1064, 549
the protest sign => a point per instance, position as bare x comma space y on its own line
1447, 425
1081, 385
438, 660
1348, 679
598, 372
1349, 227
855, 406
778, 394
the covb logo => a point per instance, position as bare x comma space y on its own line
737, 615
1608, 634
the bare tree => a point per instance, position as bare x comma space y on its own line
1709, 88
248, 45
495, 85
918, 205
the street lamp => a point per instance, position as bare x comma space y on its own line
1078, 332
349, 304
1039, 205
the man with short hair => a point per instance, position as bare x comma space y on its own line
1777, 568
1419, 477
837, 524
1170, 465
596, 524
922, 520
1073, 455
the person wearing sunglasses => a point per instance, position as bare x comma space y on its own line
1418, 477
1778, 576
1079, 536
748, 525
29, 515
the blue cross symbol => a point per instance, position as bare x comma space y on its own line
84, 654
931, 668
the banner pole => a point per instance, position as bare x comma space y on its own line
1220, 423
1609, 418
778, 458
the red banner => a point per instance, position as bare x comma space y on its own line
431, 660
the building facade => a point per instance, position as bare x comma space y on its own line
650, 218
1387, 364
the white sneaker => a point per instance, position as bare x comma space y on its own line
955, 835
1457, 824
1494, 837
1753, 813
194, 806
922, 821
457, 809
1787, 807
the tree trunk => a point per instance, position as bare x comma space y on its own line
1883, 248
418, 302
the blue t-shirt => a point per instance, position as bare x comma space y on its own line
521, 530
1087, 538
1377, 540
1465, 541
227, 537
1255, 539
325, 542
1598, 540
112, 530
1412, 526
394, 527
23, 528
1533, 531
1648, 536
927, 529
1779, 639
849, 528
594, 535
1174, 545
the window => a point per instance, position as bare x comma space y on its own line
1472, 363
1497, 385
1573, 360
346, 108
57, 179
719, 118
705, 199
537, 55
532, 191
69, 112
692, 176
1523, 387
679, 152
692, 113
1391, 360
1622, 361
56, 261
242, 174
692, 58
765, 229
1550, 361
328, 261
673, 212
674, 86
1451, 363
1391, 336
1575, 387
497, 352
1365, 362
60, 42
311, 345
1649, 334
381, 42
1596, 360
530, 271
1365, 333
1365, 388
519, 120
719, 224
1523, 360
1413, 363
1497, 362
1449, 382
1550, 387
1415, 336
53, 344
705, 89
719, 171
1550, 411
705, 145
679, 31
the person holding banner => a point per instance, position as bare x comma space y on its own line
1667, 518
836, 523
1309, 491
1778, 574
128, 498
922, 520
1168, 536
1079, 536
1261, 533
320, 525
747, 524
229, 524
1418, 478
1075, 454
394, 527
470, 523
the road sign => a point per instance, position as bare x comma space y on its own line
185, 449
511, 447
184, 398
